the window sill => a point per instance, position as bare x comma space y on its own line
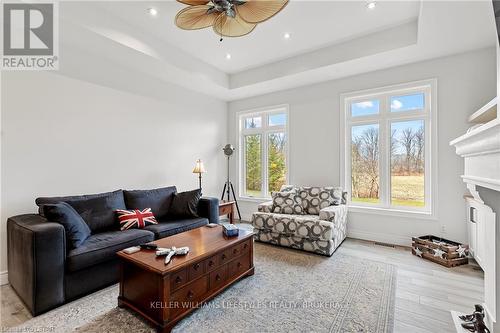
392, 212
254, 199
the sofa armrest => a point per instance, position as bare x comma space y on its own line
36, 259
209, 207
265, 207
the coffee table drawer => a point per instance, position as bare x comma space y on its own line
196, 270
239, 265
213, 262
178, 279
218, 277
245, 246
187, 297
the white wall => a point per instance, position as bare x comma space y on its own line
465, 82
62, 136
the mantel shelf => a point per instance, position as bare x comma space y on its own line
480, 149
485, 114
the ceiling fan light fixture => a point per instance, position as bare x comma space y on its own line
229, 18
286, 35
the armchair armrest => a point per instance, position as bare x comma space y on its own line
265, 207
209, 207
335, 214
36, 259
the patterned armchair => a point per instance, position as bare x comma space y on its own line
320, 229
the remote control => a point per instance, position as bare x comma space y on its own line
149, 246
132, 249
162, 252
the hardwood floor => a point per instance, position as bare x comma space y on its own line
425, 293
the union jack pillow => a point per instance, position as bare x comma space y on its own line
138, 219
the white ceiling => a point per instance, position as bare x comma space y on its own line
311, 24
329, 40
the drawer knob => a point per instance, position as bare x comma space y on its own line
245, 245
223, 256
196, 266
238, 264
217, 277
178, 279
235, 251
210, 263
190, 294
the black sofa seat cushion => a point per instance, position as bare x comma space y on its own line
159, 200
97, 210
171, 227
102, 247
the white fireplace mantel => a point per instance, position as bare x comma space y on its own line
480, 149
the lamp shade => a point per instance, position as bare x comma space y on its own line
199, 167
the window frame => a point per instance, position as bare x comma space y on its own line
384, 119
264, 131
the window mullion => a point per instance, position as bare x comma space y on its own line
384, 143
264, 163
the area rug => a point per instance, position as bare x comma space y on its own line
291, 291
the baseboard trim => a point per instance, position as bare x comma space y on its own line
4, 278
378, 237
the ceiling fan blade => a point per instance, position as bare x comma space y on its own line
195, 17
194, 2
232, 27
256, 11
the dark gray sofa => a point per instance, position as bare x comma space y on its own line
46, 272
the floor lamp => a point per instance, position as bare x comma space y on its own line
228, 186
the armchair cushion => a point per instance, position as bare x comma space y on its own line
287, 203
75, 228
316, 198
304, 226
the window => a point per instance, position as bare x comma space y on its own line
264, 148
388, 148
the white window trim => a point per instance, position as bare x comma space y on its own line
265, 130
384, 118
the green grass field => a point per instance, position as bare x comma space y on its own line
406, 191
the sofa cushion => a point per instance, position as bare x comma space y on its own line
102, 247
304, 226
159, 200
75, 228
185, 204
135, 219
316, 198
287, 203
172, 227
97, 210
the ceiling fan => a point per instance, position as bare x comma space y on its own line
229, 18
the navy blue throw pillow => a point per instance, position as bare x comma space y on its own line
185, 204
77, 231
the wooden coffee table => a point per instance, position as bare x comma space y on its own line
164, 294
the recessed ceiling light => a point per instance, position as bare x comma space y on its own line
286, 35
152, 11
228, 56
371, 4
